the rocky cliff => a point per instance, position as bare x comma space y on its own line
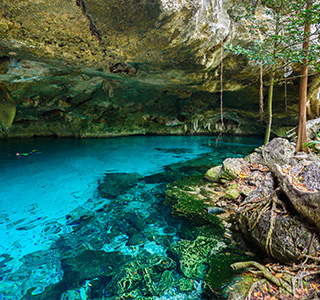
104, 68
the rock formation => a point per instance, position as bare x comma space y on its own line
97, 69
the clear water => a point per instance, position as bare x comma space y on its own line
51, 209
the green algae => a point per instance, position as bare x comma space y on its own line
194, 255
220, 273
187, 204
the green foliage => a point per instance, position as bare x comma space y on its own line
312, 144
279, 47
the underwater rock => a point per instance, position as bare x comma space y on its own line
193, 256
115, 184
150, 277
7, 108
221, 275
186, 203
165, 283
91, 264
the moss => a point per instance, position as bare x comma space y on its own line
188, 205
213, 174
220, 273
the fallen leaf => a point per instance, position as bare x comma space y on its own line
279, 275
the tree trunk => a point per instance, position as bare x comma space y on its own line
303, 91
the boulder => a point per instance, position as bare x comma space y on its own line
301, 184
231, 168
213, 174
278, 151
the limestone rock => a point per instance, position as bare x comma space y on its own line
301, 184
115, 184
213, 174
288, 239
278, 151
7, 108
231, 168
313, 102
188, 205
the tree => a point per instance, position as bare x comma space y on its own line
287, 39
303, 91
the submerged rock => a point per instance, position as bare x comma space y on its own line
187, 201
115, 184
193, 256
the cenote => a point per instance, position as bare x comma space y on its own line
86, 219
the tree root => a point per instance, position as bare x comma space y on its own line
293, 282
269, 201
266, 273
272, 225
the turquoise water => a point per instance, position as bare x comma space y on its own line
62, 238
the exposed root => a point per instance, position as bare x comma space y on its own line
290, 278
259, 208
266, 273
271, 228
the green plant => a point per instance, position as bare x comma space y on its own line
312, 144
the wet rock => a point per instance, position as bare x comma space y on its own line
186, 203
220, 274
7, 108
165, 283
213, 174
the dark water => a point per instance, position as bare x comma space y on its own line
85, 219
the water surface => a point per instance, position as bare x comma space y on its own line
51, 209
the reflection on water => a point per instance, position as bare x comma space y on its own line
84, 219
